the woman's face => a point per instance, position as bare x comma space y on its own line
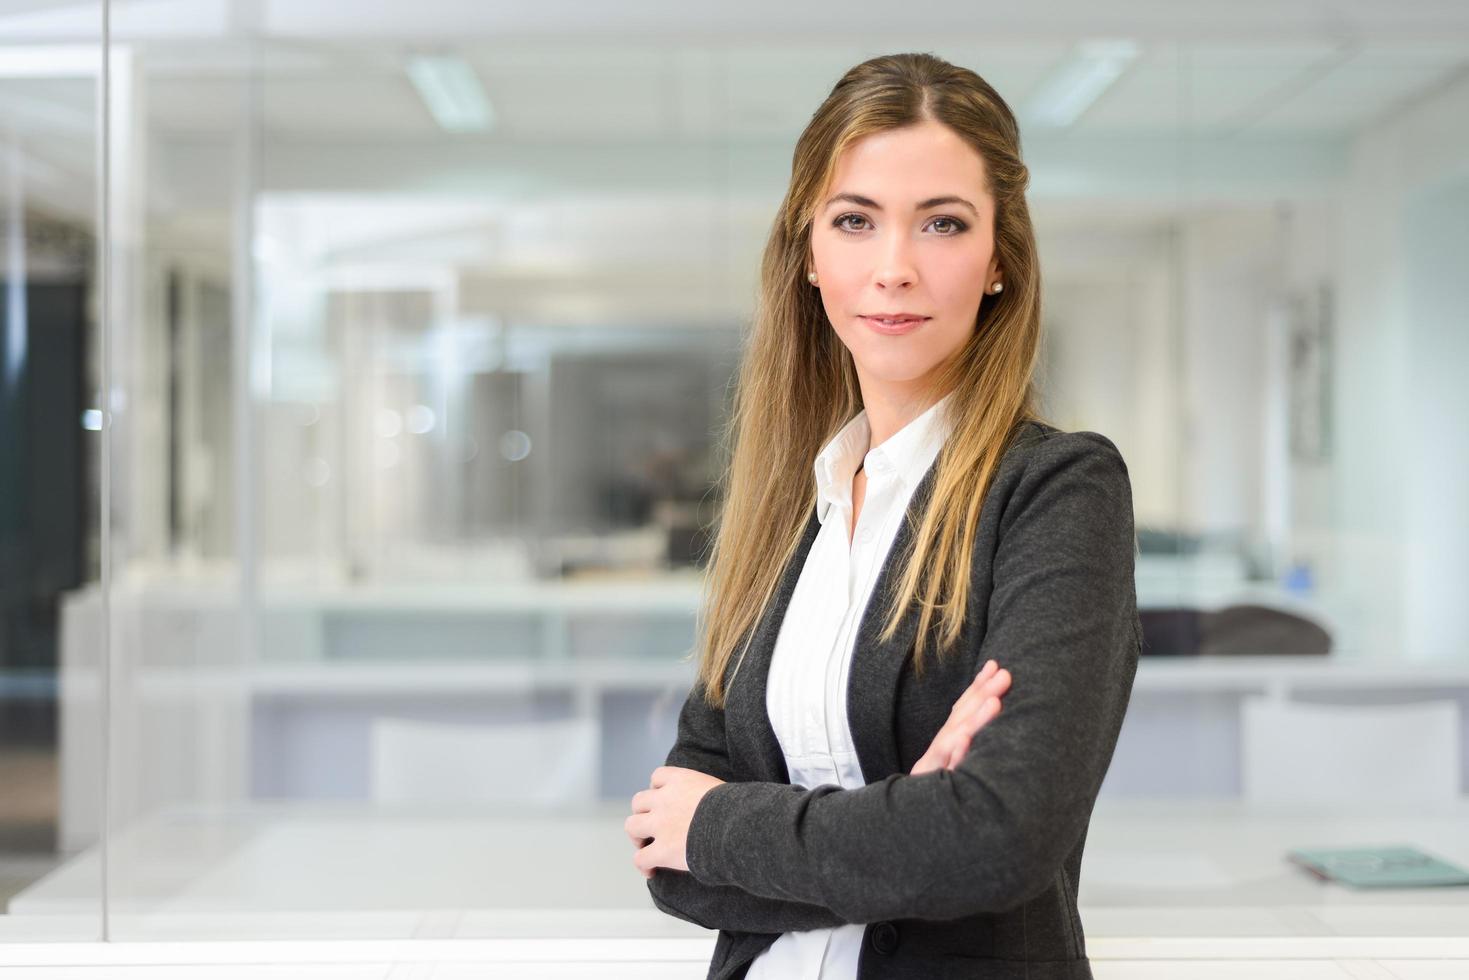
882, 243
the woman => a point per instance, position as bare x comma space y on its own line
845, 798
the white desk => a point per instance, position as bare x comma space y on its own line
1163, 881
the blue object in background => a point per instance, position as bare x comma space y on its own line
1299, 579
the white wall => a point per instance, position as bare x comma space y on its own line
1110, 348
1401, 473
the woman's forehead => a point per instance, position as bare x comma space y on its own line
903, 168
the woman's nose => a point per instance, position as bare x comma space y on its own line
896, 265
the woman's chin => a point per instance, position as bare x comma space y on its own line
892, 371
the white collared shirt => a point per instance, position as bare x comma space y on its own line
806, 692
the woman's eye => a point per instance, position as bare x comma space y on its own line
954, 224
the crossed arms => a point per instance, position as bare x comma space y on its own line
989, 834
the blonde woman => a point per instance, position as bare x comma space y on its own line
903, 541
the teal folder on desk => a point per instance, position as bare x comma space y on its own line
1379, 867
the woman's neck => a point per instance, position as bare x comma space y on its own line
886, 414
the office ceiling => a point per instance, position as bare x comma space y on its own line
639, 112
578, 89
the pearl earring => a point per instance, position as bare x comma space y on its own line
998, 286
811, 276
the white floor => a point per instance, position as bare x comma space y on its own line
680, 958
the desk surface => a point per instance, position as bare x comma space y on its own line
1152, 869
1168, 889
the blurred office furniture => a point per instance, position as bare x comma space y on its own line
1203, 595
1169, 632
689, 535
294, 721
1250, 629
45, 450
1242, 629
549, 763
1297, 752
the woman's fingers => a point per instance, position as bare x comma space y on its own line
933, 759
960, 743
990, 677
957, 751
979, 681
978, 692
635, 826
986, 714
638, 843
979, 703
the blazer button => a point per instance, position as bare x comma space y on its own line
885, 938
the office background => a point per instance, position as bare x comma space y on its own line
361, 368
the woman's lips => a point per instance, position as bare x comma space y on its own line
893, 329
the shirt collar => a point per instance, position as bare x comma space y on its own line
906, 454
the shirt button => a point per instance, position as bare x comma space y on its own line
865, 536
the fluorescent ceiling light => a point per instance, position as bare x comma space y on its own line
452, 92
1079, 82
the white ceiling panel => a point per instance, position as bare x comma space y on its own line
626, 100
1360, 88
578, 92
1204, 86
1013, 68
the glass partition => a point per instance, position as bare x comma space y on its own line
52, 667
420, 337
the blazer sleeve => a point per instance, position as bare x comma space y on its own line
993, 832
701, 745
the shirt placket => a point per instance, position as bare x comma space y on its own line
820, 762
859, 556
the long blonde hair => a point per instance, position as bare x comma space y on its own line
797, 385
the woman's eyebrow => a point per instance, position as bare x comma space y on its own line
932, 202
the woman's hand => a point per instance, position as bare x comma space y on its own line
979, 703
659, 825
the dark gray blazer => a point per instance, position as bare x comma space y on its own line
969, 872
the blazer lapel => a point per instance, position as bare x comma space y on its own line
872, 681
745, 698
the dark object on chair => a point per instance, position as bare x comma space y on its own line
1246, 630
1170, 632
1241, 630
